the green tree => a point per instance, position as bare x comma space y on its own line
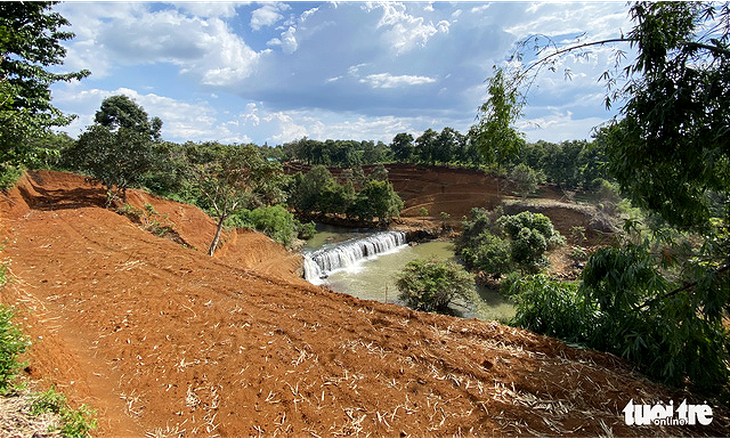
524, 179
116, 154
377, 200
403, 148
494, 135
30, 48
426, 147
669, 151
121, 111
431, 285
233, 177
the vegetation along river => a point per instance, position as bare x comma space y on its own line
373, 277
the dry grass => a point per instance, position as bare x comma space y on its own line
16, 419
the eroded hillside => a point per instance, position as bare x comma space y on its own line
162, 339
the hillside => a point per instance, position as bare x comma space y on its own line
163, 340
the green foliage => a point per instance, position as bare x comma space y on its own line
121, 111
524, 179
118, 151
31, 46
403, 148
275, 221
378, 173
670, 333
494, 134
488, 253
431, 285
48, 402
306, 230
78, 423
552, 308
531, 236
74, 423
497, 247
672, 144
377, 200
12, 343
423, 211
232, 177
9, 175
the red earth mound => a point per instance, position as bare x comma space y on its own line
163, 340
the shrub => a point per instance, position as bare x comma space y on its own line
276, 222
431, 285
488, 253
552, 308
524, 179
306, 230
74, 423
9, 175
423, 211
12, 343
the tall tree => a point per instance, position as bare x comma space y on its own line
233, 177
495, 135
119, 149
30, 46
670, 151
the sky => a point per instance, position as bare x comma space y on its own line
274, 72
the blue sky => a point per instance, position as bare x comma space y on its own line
276, 72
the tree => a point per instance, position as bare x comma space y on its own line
494, 134
377, 200
118, 160
402, 147
524, 179
378, 173
431, 285
119, 149
426, 145
121, 111
233, 177
30, 46
670, 152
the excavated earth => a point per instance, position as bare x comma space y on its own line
163, 340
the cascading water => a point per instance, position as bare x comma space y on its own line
320, 263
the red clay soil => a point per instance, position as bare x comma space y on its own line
163, 340
456, 191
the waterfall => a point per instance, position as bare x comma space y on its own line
320, 263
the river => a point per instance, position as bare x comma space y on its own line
374, 277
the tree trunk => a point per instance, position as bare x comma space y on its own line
214, 244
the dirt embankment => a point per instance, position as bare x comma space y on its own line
162, 339
456, 191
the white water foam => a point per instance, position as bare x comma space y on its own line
350, 255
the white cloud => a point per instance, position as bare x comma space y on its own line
208, 9
386, 80
288, 41
403, 31
267, 15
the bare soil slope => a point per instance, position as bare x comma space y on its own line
165, 340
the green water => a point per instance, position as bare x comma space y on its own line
375, 279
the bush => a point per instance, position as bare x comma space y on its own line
552, 308
12, 343
74, 423
431, 285
9, 175
488, 253
524, 179
306, 230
